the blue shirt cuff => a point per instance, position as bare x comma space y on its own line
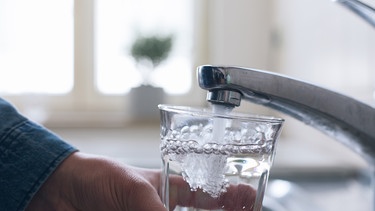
29, 153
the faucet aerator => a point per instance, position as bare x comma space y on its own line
225, 97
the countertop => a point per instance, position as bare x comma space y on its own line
319, 174
139, 145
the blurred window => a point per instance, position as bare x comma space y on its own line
38, 55
36, 46
68, 61
118, 23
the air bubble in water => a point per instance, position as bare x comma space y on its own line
202, 150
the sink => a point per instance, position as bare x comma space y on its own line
330, 191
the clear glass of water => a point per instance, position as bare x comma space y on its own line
215, 159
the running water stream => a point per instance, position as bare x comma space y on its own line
219, 124
216, 150
210, 151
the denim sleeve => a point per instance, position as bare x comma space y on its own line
29, 153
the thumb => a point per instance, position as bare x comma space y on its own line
145, 199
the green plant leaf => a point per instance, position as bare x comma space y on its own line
153, 48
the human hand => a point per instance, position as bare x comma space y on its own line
236, 197
88, 183
84, 182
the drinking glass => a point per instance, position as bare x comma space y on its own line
215, 159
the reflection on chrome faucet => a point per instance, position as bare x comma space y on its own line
347, 120
363, 10
341, 117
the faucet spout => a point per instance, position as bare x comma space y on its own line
363, 10
341, 117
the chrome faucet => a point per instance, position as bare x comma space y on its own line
341, 117
362, 9
345, 119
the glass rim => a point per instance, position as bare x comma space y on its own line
204, 111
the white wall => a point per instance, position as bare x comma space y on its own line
324, 43
239, 32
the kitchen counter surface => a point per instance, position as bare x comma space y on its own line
319, 175
139, 146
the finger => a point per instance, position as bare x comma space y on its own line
153, 176
144, 194
236, 197
146, 199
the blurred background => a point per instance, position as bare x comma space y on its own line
69, 65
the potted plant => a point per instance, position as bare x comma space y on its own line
148, 53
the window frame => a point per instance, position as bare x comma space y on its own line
84, 105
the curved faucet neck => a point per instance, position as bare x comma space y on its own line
365, 11
341, 117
